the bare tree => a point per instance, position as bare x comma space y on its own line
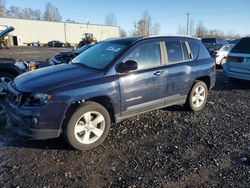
156, 28
201, 31
145, 26
110, 19
2, 8
36, 15
181, 30
191, 28
123, 33
51, 13
14, 12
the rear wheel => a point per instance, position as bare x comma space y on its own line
5, 78
88, 127
197, 97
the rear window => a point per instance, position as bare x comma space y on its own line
203, 53
242, 47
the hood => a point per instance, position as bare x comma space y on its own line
52, 77
6, 31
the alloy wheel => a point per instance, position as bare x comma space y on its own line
198, 97
89, 127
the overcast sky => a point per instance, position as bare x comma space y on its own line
225, 15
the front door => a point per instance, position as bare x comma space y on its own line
145, 88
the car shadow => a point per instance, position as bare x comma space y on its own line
11, 139
175, 108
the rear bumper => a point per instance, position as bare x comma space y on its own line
237, 75
24, 127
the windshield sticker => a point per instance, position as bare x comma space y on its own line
113, 49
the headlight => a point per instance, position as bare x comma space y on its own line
36, 99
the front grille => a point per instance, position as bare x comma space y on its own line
13, 96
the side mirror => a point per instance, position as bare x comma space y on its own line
129, 65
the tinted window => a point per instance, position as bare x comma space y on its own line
99, 55
185, 51
174, 52
194, 49
242, 47
147, 55
203, 52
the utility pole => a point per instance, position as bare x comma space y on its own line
188, 23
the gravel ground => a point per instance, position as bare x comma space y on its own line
164, 148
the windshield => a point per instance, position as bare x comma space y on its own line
82, 49
99, 55
227, 47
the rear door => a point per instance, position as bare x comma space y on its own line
179, 69
144, 88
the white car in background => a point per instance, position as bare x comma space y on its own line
221, 54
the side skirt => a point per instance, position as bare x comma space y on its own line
150, 106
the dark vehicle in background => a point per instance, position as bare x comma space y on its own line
66, 57
109, 82
234, 41
237, 65
213, 44
56, 43
11, 68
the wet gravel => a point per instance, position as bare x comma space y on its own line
164, 148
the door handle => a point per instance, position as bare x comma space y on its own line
158, 73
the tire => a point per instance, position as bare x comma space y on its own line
5, 78
80, 134
192, 98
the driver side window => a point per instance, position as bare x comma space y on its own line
146, 55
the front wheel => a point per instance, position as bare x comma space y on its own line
88, 127
197, 97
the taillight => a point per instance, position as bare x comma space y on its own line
235, 59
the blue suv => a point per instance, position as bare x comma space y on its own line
111, 81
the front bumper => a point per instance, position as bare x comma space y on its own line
50, 119
25, 128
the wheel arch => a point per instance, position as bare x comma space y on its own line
206, 80
105, 101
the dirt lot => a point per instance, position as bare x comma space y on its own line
164, 148
31, 53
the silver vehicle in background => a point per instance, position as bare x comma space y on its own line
221, 54
237, 65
